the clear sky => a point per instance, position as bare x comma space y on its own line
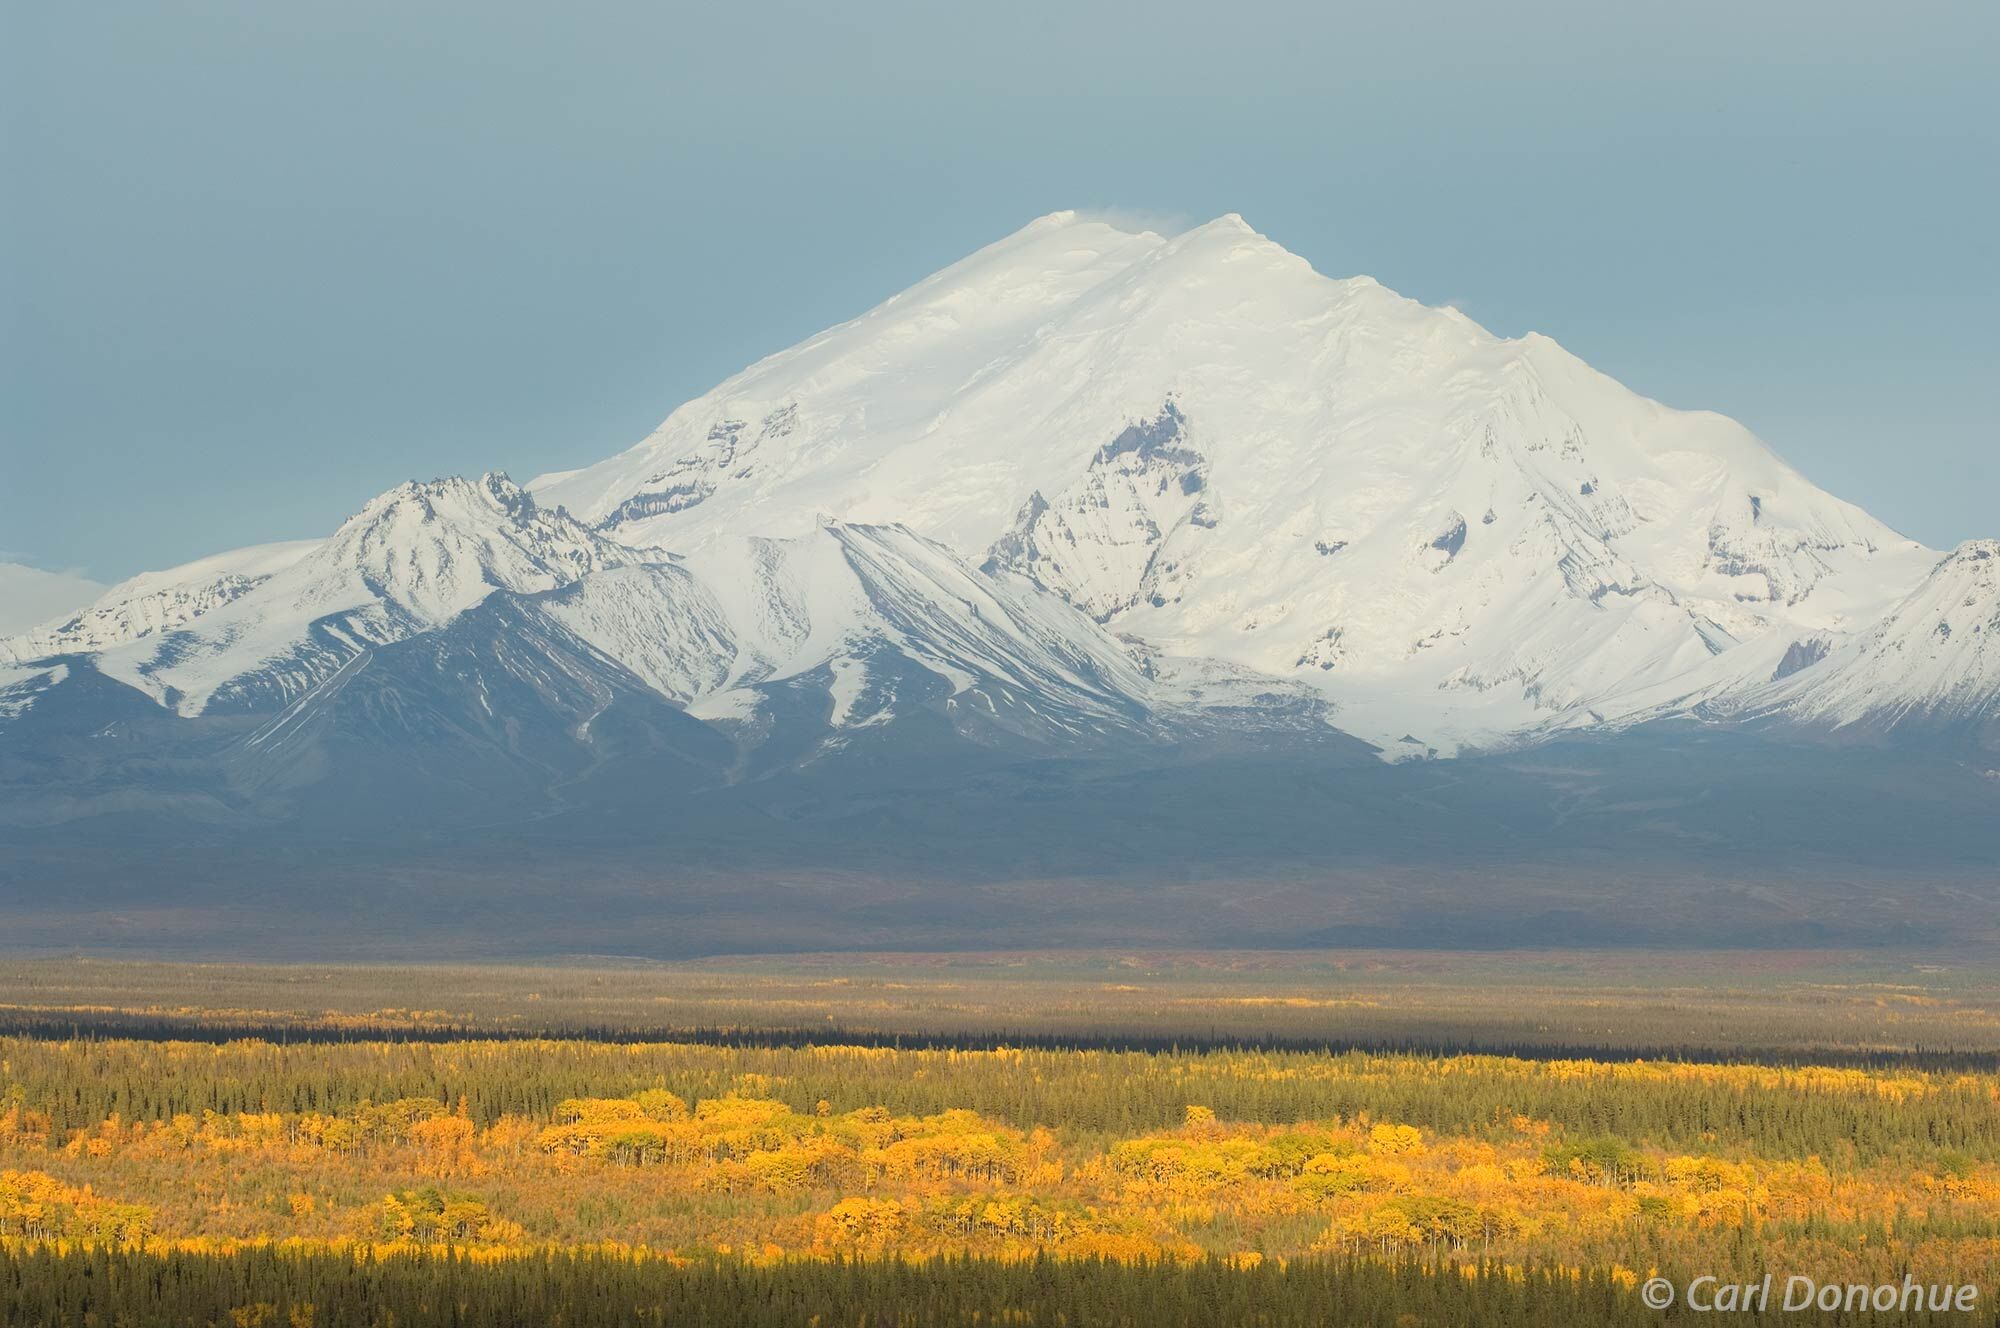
263, 260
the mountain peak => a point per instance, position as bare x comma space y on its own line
435, 547
1986, 551
492, 492
1135, 422
412, 559
1210, 449
1228, 239
1050, 221
1229, 221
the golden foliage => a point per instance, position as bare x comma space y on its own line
761, 1164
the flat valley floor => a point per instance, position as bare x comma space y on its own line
1354, 1137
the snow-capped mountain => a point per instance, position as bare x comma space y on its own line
1931, 665
1091, 481
800, 645
1211, 448
849, 625
1074, 593
273, 623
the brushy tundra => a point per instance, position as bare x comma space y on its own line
1277, 1139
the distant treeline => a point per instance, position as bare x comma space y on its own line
111, 1025
1902, 1010
276, 1288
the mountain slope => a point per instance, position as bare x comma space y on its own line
872, 621
460, 637
1930, 667
498, 715
408, 562
154, 602
1208, 446
788, 652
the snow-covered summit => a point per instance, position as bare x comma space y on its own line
1207, 445
431, 550
411, 560
1089, 476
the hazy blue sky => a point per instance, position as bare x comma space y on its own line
262, 260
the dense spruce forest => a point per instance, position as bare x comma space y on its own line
405, 1165
275, 1288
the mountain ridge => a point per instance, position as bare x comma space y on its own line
1234, 475
1105, 587
1931, 663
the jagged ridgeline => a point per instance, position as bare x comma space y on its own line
1098, 552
